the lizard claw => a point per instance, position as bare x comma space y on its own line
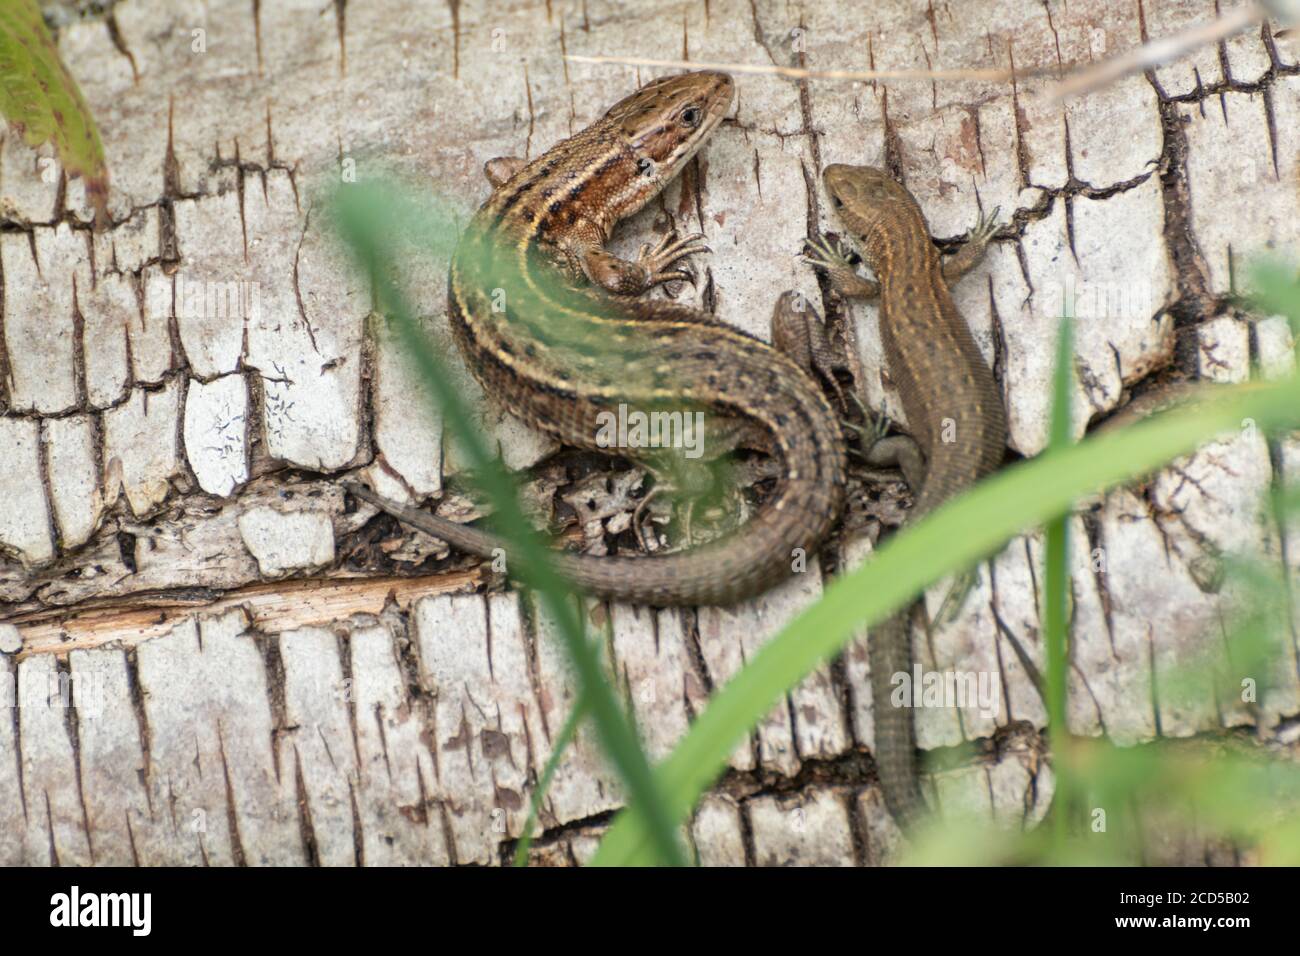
882, 425
985, 228
875, 428
821, 252
670, 250
674, 275
863, 407
837, 261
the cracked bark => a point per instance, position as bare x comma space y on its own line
381, 701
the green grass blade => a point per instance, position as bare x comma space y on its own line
949, 539
1277, 293
562, 741
1056, 583
1153, 792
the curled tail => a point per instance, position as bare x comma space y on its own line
725, 571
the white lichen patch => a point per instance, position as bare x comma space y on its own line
216, 428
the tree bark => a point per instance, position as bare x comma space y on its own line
211, 659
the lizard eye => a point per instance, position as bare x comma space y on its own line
645, 166
837, 201
691, 117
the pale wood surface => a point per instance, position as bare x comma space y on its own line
173, 543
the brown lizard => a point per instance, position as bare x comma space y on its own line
952, 402
561, 355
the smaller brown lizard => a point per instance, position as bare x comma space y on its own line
951, 399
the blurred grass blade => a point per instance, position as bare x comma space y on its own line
1238, 795
961, 532
39, 97
561, 743
1237, 668
1288, 502
1155, 794
376, 222
1056, 584
1277, 292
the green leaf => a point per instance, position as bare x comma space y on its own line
39, 97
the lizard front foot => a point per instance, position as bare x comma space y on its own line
652, 267
836, 259
823, 252
984, 227
671, 249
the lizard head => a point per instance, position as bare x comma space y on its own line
867, 199
664, 123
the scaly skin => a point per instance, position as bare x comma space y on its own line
953, 405
558, 356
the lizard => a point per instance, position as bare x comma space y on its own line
558, 354
949, 395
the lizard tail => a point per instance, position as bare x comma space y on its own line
722, 572
889, 652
